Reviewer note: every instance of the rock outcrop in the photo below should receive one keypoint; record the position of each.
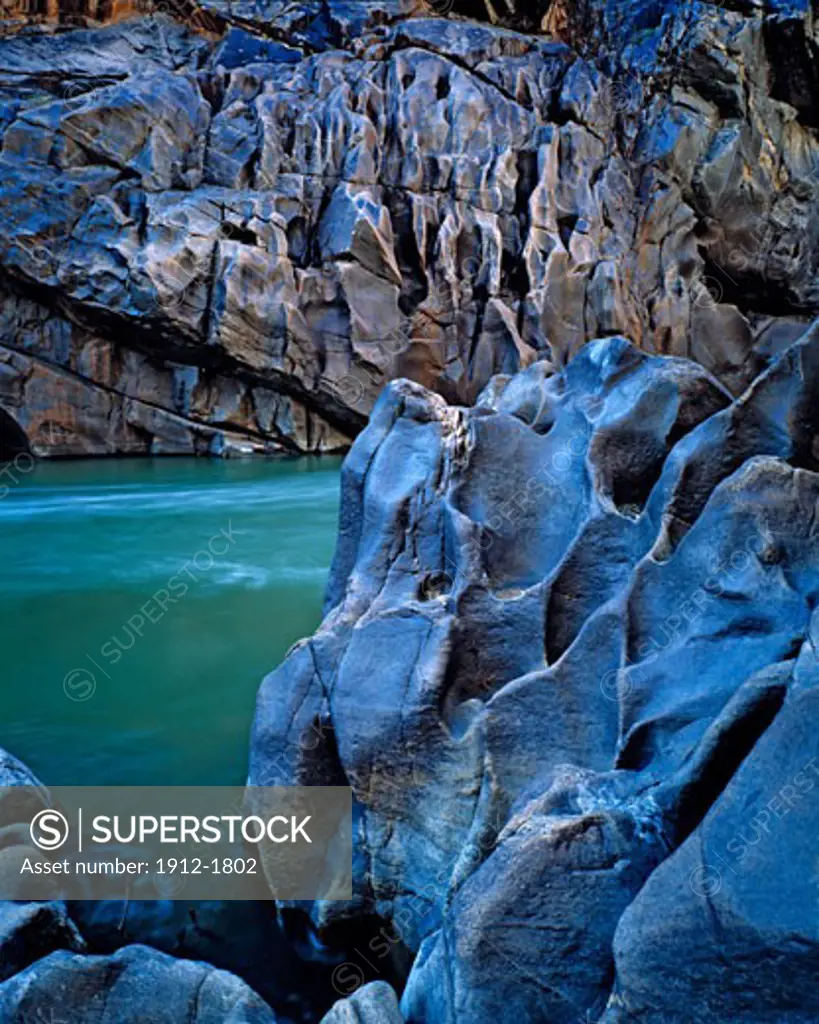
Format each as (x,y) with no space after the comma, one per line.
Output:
(224,227)
(135,985)
(568,658)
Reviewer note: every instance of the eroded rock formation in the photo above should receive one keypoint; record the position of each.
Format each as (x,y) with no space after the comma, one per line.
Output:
(557,624)
(226,226)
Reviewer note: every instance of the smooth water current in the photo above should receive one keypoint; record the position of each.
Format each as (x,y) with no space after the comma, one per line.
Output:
(142,602)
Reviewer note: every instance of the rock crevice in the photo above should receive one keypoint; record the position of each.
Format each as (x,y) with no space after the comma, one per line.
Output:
(378,193)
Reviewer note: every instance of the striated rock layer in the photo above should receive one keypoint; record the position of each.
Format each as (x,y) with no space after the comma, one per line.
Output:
(224,227)
(567,667)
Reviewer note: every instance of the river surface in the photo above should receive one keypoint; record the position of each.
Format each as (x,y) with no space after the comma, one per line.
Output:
(141,603)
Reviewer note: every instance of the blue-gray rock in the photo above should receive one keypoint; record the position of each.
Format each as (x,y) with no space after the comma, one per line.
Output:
(567,658)
(243,938)
(134,985)
(30,931)
(375,1003)
(726,928)
(290,204)
(565,612)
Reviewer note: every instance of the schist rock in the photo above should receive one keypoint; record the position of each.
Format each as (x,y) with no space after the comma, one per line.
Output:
(569,633)
(226,226)
(134,985)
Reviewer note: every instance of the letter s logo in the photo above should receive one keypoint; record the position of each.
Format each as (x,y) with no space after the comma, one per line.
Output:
(48,829)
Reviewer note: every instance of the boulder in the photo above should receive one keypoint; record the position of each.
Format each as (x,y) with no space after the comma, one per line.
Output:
(375,1003)
(133,985)
(725,928)
(243,938)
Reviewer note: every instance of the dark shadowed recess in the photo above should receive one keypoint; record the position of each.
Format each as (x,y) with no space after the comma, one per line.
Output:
(13,440)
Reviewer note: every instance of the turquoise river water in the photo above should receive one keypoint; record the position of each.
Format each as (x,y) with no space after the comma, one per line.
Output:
(142,602)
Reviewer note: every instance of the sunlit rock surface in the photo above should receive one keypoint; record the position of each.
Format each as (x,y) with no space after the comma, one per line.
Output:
(224,227)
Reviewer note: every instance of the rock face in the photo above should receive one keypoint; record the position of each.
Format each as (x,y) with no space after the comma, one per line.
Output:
(568,669)
(137,984)
(225,227)
(740,891)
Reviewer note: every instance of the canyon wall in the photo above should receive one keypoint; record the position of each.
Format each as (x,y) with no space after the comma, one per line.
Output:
(226,226)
